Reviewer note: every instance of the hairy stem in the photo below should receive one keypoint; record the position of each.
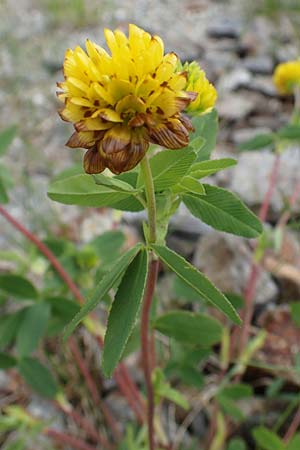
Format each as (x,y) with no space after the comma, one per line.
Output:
(148,350)
(147,357)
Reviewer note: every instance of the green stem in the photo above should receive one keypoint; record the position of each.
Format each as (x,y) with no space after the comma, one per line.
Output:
(150,197)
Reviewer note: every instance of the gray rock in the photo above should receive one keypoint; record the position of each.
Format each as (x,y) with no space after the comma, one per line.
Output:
(224,29)
(234,80)
(261,65)
(263,85)
(235,106)
(226,260)
(250,178)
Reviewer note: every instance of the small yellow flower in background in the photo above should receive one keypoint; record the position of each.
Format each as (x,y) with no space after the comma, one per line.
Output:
(197,82)
(119,103)
(287,76)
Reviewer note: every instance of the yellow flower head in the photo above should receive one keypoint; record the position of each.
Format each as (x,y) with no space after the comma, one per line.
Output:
(120,102)
(287,76)
(197,82)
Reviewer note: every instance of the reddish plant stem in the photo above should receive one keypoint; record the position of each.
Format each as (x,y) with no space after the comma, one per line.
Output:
(146,346)
(66,439)
(85,425)
(250,289)
(59,269)
(295,424)
(93,388)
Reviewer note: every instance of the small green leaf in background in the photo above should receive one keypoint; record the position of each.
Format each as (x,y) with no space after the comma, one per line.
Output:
(237,391)
(190,184)
(169,166)
(224,211)
(124,311)
(105,284)
(17,444)
(32,328)
(258,142)
(196,280)
(190,376)
(6,138)
(38,377)
(230,408)
(236,444)
(295,312)
(291,132)
(206,168)
(108,245)
(7,361)
(191,328)
(205,126)
(9,326)
(18,287)
(63,307)
(162,389)
(267,439)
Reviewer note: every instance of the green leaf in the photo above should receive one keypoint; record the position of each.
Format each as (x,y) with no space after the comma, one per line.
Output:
(224,211)
(267,440)
(82,190)
(205,126)
(237,391)
(162,389)
(196,280)
(9,326)
(189,184)
(258,142)
(169,166)
(124,311)
(18,287)
(108,245)
(32,328)
(291,132)
(63,307)
(229,407)
(190,376)
(6,138)
(294,443)
(105,284)
(38,377)
(191,328)
(236,444)
(113,183)
(7,361)
(295,312)
(206,168)
(3,194)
